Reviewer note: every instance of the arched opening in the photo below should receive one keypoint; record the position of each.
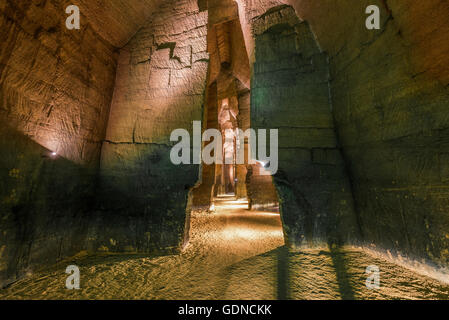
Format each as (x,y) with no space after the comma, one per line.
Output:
(230,184)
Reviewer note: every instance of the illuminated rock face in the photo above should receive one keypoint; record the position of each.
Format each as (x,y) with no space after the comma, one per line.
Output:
(56,84)
(389,100)
(160,87)
(55,92)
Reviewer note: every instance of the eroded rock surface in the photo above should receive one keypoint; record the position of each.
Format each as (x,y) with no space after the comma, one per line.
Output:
(55,91)
(233,254)
(368,105)
(290,92)
(390,97)
(160,87)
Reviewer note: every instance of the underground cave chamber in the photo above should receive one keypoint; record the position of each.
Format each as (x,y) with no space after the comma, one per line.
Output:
(363,154)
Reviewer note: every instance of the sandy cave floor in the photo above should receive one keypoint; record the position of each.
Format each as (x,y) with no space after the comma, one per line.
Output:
(233,254)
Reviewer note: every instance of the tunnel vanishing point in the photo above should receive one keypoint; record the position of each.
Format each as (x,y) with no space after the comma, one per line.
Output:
(87,115)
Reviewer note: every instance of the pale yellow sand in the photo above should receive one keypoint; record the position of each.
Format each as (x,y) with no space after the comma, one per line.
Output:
(232,254)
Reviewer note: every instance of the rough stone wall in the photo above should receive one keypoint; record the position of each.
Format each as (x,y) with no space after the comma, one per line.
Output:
(290,92)
(248,10)
(160,86)
(204,193)
(259,189)
(116,21)
(390,99)
(55,91)
(234,44)
(243,124)
(229,74)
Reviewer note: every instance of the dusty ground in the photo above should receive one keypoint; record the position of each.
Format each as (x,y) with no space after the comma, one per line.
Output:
(233,254)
